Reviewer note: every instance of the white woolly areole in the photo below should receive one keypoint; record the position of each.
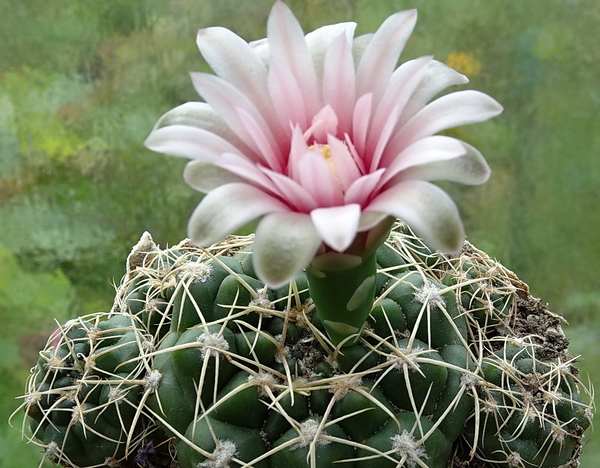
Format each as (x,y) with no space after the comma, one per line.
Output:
(309,432)
(408,359)
(223,453)
(212,341)
(343,385)
(152,380)
(53,452)
(116,395)
(263,380)
(469,381)
(261,301)
(429,294)
(514,460)
(197,272)
(405,445)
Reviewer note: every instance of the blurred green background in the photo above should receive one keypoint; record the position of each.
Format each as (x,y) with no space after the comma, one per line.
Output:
(82,82)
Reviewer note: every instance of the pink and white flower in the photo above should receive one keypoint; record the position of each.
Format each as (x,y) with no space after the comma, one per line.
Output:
(321,138)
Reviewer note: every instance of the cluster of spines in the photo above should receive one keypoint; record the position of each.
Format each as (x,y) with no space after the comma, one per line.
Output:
(83,397)
(275,347)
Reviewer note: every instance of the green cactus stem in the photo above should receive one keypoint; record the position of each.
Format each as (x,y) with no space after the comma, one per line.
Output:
(200,358)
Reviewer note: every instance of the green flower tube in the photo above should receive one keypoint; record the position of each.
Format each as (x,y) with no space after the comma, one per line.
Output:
(344,297)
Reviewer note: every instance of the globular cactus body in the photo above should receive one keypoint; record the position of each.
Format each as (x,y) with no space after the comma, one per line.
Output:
(237,374)
(85,392)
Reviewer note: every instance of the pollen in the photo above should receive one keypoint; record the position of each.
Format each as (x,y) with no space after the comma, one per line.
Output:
(325,151)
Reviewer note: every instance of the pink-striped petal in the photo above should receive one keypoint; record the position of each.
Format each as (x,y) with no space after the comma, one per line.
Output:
(227,101)
(337,225)
(343,162)
(245,169)
(295,194)
(423,152)
(298,148)
(381,54)
(360,122)
(284,245)
(288,47)
(321,40)
(362,189)
(227,208)
(324,123)
(402,84)
(234,60)
(316,176)
(270,153)
(427,209)
(339,82)
(189,142)
(449,111)
(286,91)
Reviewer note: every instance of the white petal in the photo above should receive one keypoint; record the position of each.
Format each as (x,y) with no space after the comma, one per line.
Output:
(402,84)
(194,114)
(427,209)
(227,208)
(284,245)
(205,177)
(470,168)
(424,151)
(370,219)
(359,45)
(188,142)
(246,169)
(438,77)
(234,60)
(320,42)
(337,225)
(381,54)
(449,111)
(261,48)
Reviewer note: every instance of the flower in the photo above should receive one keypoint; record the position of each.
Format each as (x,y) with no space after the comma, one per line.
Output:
(322,138)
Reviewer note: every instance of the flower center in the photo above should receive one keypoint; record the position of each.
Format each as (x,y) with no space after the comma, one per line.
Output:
(325,151)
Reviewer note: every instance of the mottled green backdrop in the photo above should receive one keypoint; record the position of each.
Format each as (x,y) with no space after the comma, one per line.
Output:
(83,81)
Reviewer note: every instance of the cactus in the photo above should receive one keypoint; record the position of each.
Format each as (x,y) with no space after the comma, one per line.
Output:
(447,370)
(85,395)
